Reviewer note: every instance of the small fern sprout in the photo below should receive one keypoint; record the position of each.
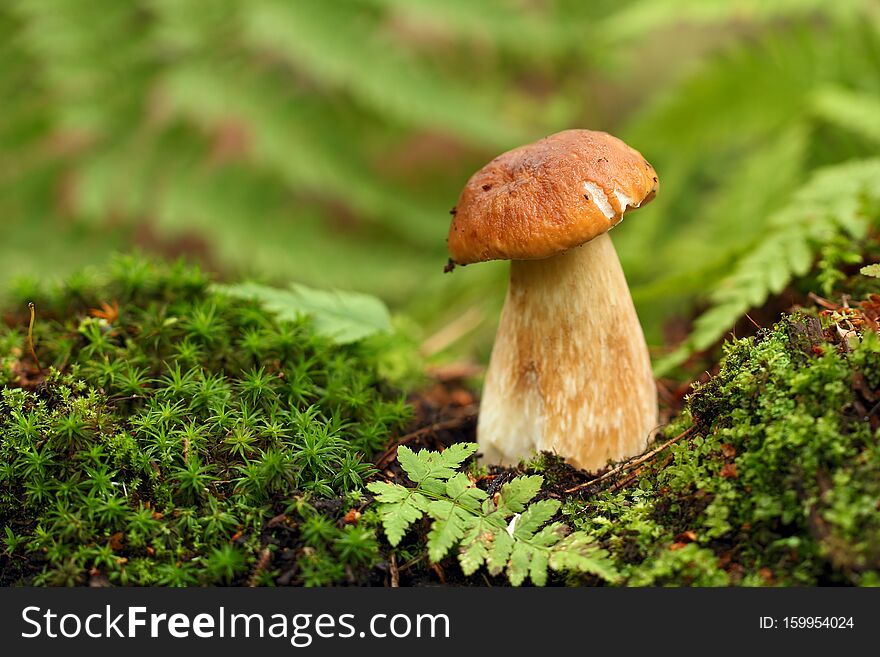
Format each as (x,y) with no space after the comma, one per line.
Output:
(570,370)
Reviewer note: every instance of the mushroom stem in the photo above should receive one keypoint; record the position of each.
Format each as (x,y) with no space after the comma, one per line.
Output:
(570,371)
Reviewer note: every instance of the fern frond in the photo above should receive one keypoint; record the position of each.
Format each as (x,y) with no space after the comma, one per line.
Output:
(284,139)
(342,317)
(700,129)
(532,30)
(840,199)
(731,142)
(645,16)
(854,111)
(72,41)
(512,536)
(351,53)
(724,222)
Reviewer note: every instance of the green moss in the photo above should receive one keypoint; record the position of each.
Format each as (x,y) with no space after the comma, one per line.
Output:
(778,481)
(170,425)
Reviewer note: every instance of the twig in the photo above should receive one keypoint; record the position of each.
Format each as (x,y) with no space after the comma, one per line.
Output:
(758,326)
(623,483)
(454,423)
(30,335)
(821,301)
(395,573)
(438,570)
(631,464)
(412,562)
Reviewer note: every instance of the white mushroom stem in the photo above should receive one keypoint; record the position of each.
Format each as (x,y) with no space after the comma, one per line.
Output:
(570,371)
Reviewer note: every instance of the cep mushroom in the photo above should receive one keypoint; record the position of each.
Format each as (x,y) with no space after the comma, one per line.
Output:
(570,371)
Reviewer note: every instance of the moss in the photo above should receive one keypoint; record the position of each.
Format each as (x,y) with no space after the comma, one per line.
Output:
(778,481)
(176,435)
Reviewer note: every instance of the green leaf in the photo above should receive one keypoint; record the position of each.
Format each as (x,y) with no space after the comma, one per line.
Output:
(425,465)
(518,567)
(398,516)
(448,528)
(327,44)
(579,552)
(831,202)
(457,485)
(516,494)
(538,567)
(462,490)
(502,544)
(871,270)
(642,17)
(453,456)
(344,317)
(414,465)
(550,535)
(473,556)
(854,111)
(388,493)
(514,537)
(534,517)
(475,545)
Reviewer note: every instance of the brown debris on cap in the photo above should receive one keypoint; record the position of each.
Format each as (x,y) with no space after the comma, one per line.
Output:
(542,199)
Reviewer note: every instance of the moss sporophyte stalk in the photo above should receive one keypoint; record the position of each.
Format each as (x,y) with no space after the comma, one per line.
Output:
(174,434)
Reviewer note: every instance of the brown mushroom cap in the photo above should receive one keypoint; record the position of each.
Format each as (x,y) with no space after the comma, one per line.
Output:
(542,199)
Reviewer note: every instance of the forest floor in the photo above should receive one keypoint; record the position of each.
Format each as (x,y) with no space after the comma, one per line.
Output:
(183,437)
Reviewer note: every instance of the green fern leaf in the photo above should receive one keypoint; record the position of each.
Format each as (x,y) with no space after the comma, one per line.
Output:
(516,494)
(416,466)
(518,565)
(550,535)
(475,545)
(388,493)
(534,517)
(526,29)
(400,508)
(499,552)
(854,111)
(464,516)
(335,47)
(461,489)
(577,552)
(538,567)
(436,465)
(280,122)
(448,528)
(455,455)
(643,16)
(871,270)
(732,141)
(344,317)
(834,201)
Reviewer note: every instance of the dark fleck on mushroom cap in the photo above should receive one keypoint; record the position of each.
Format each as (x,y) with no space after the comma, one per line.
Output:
(542,199)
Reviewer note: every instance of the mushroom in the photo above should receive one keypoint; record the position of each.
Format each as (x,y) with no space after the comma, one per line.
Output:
(570,371)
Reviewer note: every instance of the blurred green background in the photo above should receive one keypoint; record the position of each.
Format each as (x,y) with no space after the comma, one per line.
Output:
(325,141)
